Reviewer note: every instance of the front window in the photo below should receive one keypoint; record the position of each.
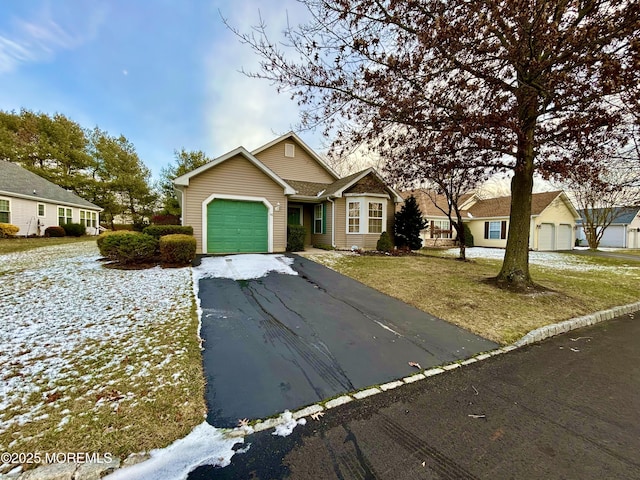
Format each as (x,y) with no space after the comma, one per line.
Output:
(354,217)
(440,229)
(494,230)
(375,217)
(317,219)
(41,210)
(64,215)
(5,211)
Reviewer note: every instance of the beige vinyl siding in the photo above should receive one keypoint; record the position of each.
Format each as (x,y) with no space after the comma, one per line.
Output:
(236,176)
(301,167)
(556,213)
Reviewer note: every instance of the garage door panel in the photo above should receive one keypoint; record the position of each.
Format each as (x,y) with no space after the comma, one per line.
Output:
(546,237)
(565,237)
(237,226)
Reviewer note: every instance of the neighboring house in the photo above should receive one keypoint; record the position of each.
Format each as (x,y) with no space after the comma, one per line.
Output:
(622,232)
(552,225)
(243,201)
(32,203)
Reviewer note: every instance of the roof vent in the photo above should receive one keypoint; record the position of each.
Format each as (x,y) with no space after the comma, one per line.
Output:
(289,150)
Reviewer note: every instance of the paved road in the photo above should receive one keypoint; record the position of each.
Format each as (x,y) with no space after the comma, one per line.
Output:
(282,341)
(561,409)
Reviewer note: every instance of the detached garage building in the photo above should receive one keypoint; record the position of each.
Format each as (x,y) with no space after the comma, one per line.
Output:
(622,232)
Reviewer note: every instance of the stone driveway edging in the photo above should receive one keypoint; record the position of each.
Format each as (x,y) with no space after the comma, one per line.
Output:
(73,472)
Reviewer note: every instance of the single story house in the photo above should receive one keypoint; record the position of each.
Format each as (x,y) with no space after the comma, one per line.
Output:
(243,201)
(552,225)
(622,232)
(32,203)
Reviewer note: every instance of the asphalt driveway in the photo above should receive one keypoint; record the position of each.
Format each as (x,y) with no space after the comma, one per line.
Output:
(283,341)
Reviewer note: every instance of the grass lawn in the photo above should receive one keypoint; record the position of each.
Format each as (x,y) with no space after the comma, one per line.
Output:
(21,244)
(94,359)
(628,251)
(457,292)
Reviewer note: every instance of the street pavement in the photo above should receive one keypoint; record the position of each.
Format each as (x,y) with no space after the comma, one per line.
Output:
(566,408)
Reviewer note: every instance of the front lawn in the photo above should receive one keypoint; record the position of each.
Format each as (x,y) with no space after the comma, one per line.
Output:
(22,244)
(94,359)
(458,292)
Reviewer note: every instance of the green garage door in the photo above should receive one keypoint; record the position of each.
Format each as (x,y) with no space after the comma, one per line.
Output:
(237,226)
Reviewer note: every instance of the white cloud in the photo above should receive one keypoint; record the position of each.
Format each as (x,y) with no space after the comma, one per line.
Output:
(38,39)
(242,110)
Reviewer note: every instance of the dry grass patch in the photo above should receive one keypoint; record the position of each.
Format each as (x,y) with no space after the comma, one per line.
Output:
(459,292)
(22,244)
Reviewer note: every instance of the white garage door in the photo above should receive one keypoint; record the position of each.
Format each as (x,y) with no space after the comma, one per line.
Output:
(564,237)
(613,236)
(546,237)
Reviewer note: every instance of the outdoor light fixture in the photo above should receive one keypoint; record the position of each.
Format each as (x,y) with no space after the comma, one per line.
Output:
(277,209)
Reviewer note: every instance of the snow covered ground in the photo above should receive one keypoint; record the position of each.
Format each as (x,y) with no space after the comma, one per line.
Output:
(555,260)
(71,330)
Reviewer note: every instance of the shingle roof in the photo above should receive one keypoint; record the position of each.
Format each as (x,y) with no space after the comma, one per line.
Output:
(19,181)
(427,207)
(621,215)
(501,206)
(307,189)
(343,182)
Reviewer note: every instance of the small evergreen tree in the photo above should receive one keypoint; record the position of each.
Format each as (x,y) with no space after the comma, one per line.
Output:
(408,223)
(384,243)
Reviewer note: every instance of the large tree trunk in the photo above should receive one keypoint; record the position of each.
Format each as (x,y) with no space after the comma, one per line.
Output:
(515,267)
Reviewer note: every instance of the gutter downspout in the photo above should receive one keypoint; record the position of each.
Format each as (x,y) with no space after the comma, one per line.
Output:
(333,222)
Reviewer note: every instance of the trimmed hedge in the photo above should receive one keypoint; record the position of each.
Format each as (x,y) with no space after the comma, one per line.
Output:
(8,230)
(384,243)
(131,247)
(158,231)
(177,249)
(54,231)
(295,238)
(104,250)
(73,229)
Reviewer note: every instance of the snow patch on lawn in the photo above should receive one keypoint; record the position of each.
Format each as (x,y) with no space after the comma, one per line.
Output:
(243,267)
(554,260)
(71,330)
(205,445)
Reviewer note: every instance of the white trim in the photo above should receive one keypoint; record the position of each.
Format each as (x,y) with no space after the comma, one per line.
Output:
(58,207)
(333,223)
(377,195)
(364,201)
(360,176)
(7,211)
(322,219)
(360,223)
(183,180)
(215,196)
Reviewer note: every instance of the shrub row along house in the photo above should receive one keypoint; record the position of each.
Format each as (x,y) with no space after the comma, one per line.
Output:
(243,201)
(552,225)
(32,203)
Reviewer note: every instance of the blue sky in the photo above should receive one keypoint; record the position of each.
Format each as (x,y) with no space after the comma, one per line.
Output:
(163,73)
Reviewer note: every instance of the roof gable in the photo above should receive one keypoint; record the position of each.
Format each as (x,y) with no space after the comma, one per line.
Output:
(296,140)
(501,206)
(183,180)
(340,187)
(430,209)
(17,181)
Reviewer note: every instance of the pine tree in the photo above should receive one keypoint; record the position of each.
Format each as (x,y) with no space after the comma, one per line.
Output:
(408,223)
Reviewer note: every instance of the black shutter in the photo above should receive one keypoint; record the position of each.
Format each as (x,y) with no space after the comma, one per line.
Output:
(503,230)
(486,230)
